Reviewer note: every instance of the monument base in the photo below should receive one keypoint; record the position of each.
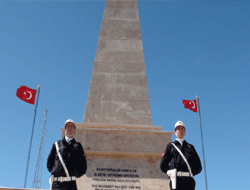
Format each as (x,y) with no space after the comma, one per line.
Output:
(122,157)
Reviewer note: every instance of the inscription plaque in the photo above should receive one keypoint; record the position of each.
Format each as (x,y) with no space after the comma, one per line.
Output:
(116,179)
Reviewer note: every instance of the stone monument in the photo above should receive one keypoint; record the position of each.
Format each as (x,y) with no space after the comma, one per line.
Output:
(122,146)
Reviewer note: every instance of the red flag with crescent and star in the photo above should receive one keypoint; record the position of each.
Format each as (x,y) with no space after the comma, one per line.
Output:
(26,94)
(190,104)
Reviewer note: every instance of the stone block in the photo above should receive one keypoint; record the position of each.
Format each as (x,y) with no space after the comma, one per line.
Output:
(117,79)
(119,67)
(121,4)
(119,56)
(119,45)
(121,14)
(118,112)
(118,92)
(120,29)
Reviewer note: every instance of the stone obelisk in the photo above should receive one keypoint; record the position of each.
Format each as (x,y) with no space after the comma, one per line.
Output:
(122,146)
(118,92)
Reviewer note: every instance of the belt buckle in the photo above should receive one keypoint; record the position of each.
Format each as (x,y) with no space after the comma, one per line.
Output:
(180,173)
(60,179)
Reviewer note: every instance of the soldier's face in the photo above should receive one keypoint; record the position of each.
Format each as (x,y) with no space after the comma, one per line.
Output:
(180,131)
(69,130)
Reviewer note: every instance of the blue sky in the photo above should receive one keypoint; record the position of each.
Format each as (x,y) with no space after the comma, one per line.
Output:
(190,47)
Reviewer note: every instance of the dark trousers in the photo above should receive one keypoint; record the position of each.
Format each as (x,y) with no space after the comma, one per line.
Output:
(184,183)
(69,185)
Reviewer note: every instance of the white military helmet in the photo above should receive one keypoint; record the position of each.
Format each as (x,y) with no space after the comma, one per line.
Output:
(70,121)
(178,123)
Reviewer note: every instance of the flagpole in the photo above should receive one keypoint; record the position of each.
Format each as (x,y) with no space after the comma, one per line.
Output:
(34,119)
(199,113)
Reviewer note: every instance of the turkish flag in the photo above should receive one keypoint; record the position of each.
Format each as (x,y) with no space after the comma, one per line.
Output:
(190,104)
(26,94)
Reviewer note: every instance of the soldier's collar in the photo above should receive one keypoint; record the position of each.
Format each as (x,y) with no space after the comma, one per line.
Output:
(180,140)
(68,139)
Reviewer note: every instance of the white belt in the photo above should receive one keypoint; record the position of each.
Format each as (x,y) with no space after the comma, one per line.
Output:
(62,179)
(181,174)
